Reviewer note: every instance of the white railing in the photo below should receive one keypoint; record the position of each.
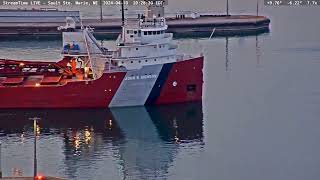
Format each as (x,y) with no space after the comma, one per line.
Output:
(152,24)
(145,23)
(182,57)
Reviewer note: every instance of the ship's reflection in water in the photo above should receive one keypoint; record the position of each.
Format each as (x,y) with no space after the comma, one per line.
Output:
(117,143)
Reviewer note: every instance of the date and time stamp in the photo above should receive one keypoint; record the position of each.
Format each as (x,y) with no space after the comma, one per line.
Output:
(82,2)
(136,2)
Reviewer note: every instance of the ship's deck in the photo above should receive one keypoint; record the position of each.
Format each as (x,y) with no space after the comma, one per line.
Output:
(34,74)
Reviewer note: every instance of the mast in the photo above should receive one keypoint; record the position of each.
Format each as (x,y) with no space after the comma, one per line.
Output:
(257,7)
(227,7)
(154,10)
(122,11)
(101,13)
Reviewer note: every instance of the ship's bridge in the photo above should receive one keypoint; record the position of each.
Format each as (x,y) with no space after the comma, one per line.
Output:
(144,42)
(144,30)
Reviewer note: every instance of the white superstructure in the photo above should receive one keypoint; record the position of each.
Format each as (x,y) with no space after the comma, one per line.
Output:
(144,41)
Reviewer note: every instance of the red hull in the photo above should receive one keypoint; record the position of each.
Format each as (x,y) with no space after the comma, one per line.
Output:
(183,74)
(72,95)
(99,93)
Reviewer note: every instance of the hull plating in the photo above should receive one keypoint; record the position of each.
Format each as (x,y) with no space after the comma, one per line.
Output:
(157,84)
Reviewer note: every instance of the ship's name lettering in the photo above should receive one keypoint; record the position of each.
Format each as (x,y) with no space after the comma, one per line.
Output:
(142,77)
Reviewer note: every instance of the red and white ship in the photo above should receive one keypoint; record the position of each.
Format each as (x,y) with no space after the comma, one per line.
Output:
(145,69)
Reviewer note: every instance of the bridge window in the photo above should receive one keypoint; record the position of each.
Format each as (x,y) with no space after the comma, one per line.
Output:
(149,32)
(145,33)
(154,32)
(158,32)
(135,32)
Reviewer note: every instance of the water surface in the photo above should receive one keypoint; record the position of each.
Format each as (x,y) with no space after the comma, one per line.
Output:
(259,118)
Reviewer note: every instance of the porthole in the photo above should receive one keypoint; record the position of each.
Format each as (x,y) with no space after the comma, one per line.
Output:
(174,84)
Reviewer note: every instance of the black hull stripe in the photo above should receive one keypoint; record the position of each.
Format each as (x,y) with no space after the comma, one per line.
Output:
(156,90)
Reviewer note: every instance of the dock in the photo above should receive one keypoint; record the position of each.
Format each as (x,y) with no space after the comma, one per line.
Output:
(224,25)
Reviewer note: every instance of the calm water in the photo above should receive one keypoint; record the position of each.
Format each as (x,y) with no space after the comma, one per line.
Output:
(259,118)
